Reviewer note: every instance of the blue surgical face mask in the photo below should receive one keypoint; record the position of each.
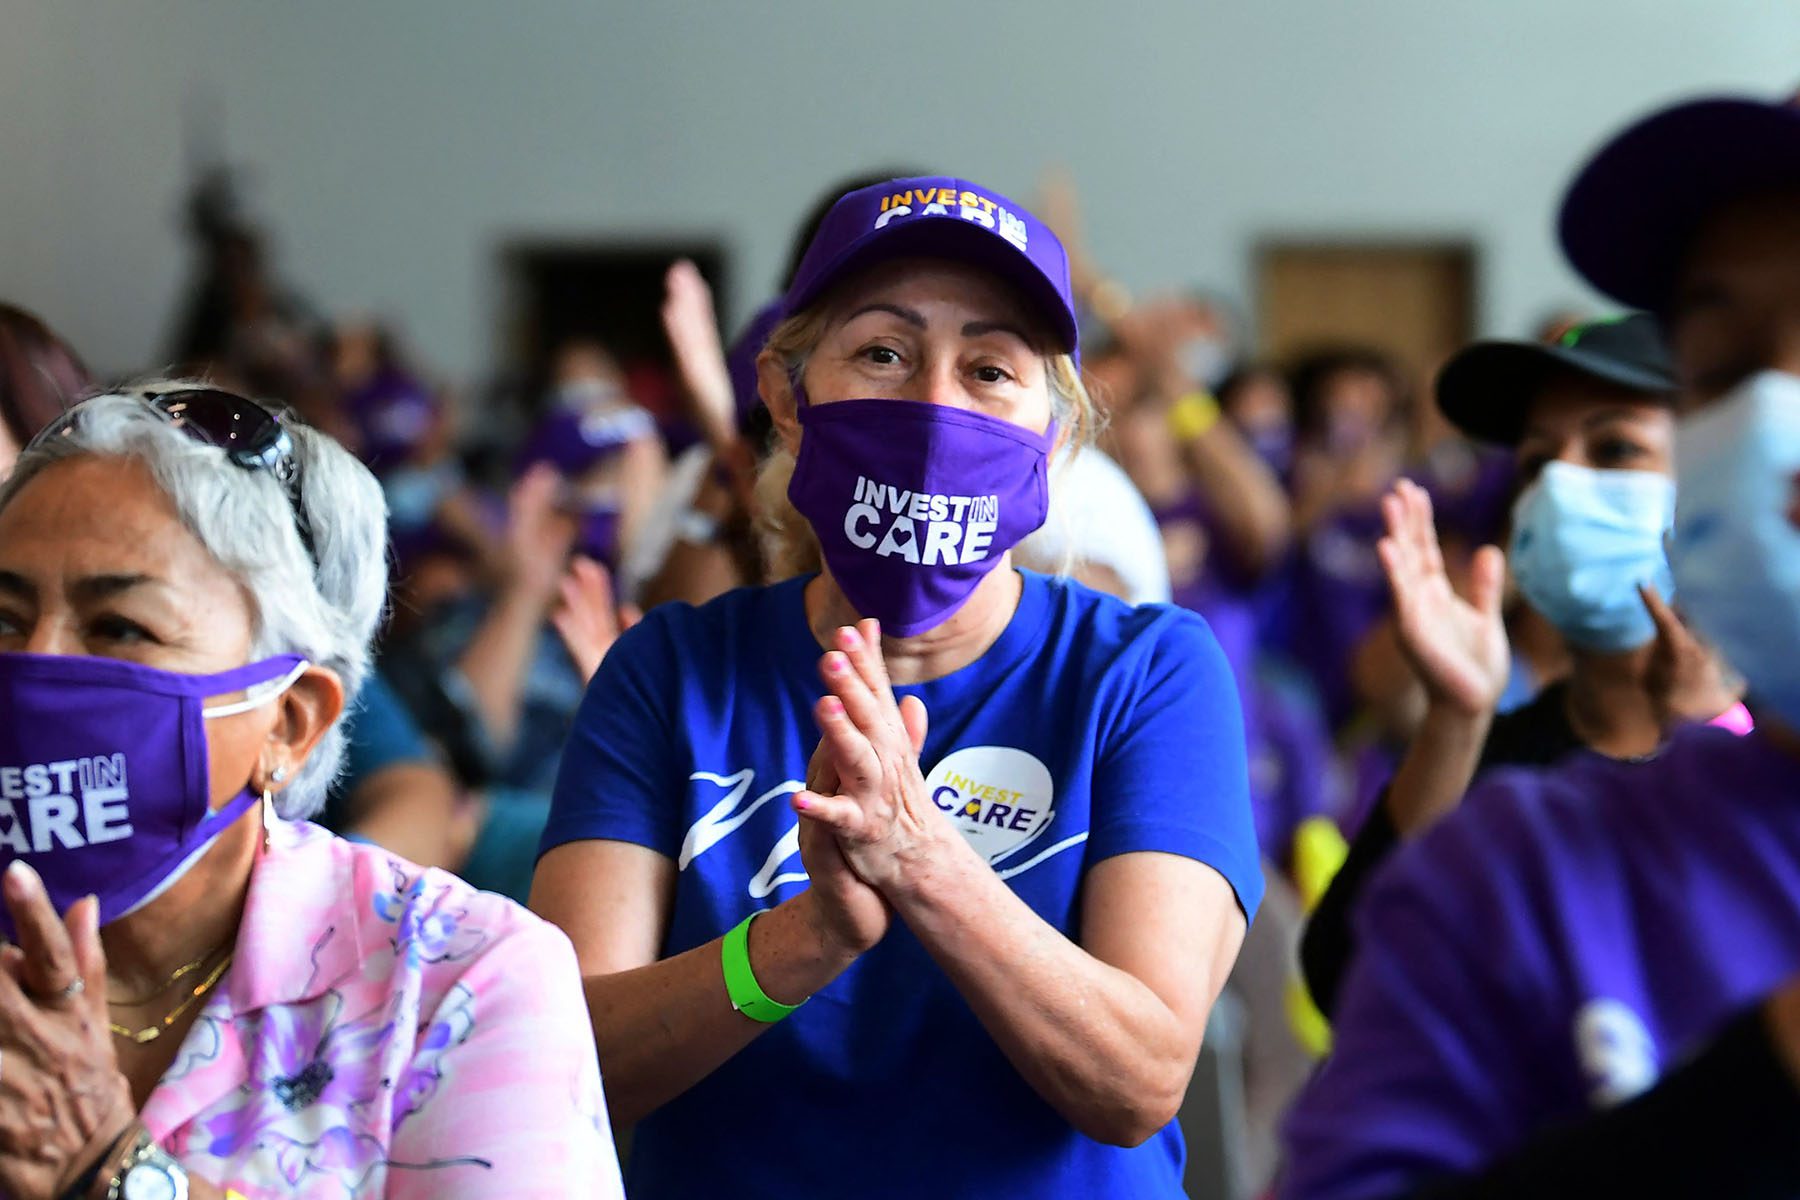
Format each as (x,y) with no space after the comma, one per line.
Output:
(414,494)
(1583,540)
(1206,361)
(1735,549)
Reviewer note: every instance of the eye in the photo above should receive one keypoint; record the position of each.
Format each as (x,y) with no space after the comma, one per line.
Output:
(111,627)
(1616,451)
(881,356)
(990,373)
(11,625)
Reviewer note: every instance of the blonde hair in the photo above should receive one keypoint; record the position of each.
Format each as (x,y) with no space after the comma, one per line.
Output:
(788,544)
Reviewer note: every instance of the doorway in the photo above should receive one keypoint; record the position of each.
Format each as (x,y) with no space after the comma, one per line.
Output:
(1411,300)
(611,292)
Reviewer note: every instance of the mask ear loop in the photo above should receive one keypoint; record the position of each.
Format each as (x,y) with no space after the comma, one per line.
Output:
(243,706)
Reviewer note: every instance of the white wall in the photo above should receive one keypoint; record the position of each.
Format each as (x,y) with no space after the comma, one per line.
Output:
(395,142)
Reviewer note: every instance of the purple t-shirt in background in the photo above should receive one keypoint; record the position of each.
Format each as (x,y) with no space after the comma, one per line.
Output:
(1553,947)
(1472,489)
(1202,579)
(1340,594)
(1291,778)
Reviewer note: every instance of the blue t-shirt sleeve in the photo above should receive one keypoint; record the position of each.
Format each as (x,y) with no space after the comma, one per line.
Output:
(380,733)
(1172,774)
(620,779)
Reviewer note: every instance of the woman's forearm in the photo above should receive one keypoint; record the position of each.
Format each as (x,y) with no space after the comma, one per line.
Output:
(643,474)
(1243,494)
(1439,764)
(1094,1041)
(497,657)
(411,809)
(664,1027)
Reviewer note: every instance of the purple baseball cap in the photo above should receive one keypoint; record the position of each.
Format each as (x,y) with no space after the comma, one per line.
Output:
(1630,214)
(939,217)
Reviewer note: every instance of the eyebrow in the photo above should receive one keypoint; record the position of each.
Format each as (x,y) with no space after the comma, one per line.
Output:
(1700,296)
(1616,412)
(91,589)
(910,316)
(917,319)
(980,328)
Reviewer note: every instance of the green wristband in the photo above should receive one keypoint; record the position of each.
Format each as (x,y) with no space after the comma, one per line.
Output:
(746,994)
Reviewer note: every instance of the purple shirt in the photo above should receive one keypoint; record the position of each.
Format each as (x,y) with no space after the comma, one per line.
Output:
(1341,592)
(1472,489)
(1552,948)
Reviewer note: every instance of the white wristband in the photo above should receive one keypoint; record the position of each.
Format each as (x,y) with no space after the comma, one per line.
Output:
(696,527)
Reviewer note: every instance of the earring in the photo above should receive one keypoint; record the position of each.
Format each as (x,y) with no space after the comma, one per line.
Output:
(268,816)
(278,774)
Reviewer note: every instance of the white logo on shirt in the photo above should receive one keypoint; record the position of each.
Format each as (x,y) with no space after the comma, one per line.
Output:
(999,797)
(1618,1056)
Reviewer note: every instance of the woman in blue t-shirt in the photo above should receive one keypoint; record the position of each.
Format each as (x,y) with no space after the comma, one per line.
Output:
(997,823)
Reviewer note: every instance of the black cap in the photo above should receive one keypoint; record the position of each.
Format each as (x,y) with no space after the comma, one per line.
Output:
(1632,211)
(1487,389)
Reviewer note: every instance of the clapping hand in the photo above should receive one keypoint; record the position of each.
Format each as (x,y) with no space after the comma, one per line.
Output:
(1457,645)
(1686,677)
(538,533)
(586,616)
(63,1100)
(872,797)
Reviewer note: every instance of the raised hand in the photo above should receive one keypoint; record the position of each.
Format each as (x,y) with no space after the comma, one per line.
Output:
(879,812)
(63,1100)
(693,331)
(1458,646)
(1688,681)
(538,534)
(586,616)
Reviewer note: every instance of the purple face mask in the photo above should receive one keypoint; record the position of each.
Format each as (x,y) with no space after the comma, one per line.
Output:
(913,502)
(104,778)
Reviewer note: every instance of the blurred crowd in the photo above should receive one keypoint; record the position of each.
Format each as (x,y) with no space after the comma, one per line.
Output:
(531,521)
(1415,578)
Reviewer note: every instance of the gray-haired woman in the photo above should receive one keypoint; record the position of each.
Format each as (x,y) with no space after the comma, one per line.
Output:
(209,996)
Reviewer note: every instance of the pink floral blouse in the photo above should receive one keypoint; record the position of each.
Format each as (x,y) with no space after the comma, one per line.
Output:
(387,1030)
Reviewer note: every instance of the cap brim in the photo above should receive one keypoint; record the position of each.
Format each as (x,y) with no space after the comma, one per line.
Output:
(1486,390)
(1629,216)
(953,238)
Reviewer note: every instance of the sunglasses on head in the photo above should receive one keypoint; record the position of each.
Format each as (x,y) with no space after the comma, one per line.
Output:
(251,436)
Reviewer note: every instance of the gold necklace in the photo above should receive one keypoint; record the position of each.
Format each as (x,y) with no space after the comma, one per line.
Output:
(151,1032)
(165,985)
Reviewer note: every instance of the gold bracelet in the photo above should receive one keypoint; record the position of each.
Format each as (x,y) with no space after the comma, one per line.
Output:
(1193,415)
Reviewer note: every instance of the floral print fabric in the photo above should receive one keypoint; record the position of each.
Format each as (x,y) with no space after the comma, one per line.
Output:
(388,1031)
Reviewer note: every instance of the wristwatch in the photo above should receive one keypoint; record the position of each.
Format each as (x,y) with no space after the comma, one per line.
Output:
(148,1172)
